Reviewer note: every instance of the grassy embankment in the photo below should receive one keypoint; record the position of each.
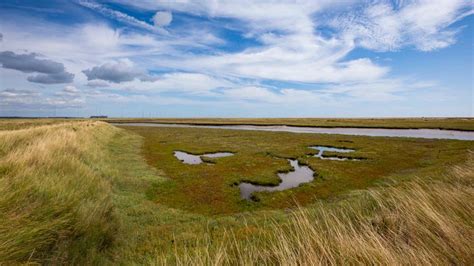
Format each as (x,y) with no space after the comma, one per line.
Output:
(56,198)
(433,123)
(80,193)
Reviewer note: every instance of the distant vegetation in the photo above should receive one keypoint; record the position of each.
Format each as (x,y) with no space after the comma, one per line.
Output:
(82,193)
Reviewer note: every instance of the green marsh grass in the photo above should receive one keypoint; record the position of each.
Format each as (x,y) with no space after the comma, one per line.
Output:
(259,156)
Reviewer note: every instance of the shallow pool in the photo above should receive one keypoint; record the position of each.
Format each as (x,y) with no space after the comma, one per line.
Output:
(323,149)
(299,175)
(189,158)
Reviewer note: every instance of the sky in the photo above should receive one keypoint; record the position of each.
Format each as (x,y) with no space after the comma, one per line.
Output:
(210,58)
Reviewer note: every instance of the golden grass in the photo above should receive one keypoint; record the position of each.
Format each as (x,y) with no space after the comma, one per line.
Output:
(24,123)
(55,199)
(416,223)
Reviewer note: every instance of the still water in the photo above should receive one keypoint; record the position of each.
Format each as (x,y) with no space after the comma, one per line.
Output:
(189,158)
(299,175)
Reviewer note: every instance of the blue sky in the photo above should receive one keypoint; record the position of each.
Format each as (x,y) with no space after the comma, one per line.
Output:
(214,58)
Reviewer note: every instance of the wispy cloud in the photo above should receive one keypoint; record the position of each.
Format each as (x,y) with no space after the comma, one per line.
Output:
(34,100)
(387,25)
(122,17)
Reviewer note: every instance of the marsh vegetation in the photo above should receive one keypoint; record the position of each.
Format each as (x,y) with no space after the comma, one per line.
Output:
(260,156)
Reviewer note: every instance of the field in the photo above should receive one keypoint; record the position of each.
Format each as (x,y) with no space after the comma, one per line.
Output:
(86,192)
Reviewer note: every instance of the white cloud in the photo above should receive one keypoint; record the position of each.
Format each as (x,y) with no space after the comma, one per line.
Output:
(314,61)
(162,18)
(117,71)
(266,95)
(252,93)
(382,90)
(379,90)
(14,96)
(84,46)
(291,50)
(391,26)
(34,100)
(71,89)
(192,83)
(98,83)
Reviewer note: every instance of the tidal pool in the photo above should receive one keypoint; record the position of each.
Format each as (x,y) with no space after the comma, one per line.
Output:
(217,154)
(188,158)
(300,174)
(323,149)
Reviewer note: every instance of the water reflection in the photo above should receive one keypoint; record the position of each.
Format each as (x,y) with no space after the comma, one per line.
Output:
(188,158)
(323,149)
(299,175)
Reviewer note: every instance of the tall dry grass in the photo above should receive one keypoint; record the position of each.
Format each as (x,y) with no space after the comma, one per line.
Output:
(55,203)
(422,222)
